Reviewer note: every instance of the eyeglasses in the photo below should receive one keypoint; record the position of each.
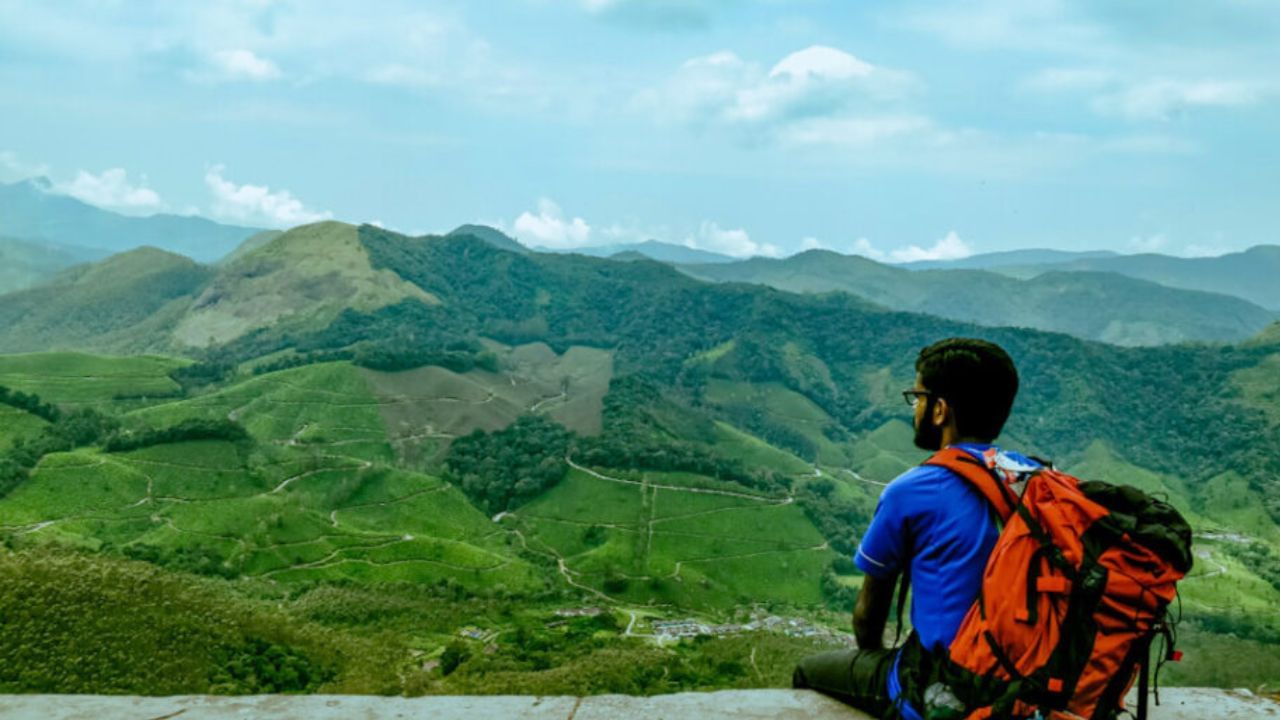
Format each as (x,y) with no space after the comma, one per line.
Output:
(913,396)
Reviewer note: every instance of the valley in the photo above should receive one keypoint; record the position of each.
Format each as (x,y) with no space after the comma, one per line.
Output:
(513,435)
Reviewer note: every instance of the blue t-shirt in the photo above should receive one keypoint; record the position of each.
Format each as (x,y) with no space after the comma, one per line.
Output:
(933,524)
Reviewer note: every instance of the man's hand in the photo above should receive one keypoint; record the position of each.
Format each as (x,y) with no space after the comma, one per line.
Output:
(872,611)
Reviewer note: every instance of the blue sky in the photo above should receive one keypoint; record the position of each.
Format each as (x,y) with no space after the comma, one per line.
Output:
(898,130)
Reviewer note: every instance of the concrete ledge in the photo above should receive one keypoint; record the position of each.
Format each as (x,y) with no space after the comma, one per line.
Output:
(1176,704)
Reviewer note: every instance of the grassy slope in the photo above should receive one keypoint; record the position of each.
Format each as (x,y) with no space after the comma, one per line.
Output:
(312,501)
(288,519)
(756,453)
(325,408)
(302,278)
(17,425)
(126,303)
(74,624)
(662,540)
(783,407)
(76,379)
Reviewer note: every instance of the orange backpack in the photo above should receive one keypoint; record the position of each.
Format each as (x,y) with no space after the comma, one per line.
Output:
(1074,591)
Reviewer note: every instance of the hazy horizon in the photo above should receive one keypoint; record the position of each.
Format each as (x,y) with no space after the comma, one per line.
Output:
(904,131)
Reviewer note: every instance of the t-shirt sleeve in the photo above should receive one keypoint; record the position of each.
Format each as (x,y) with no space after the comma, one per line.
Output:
(886,541)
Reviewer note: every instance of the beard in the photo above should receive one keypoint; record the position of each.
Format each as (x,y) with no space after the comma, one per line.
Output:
(928,436)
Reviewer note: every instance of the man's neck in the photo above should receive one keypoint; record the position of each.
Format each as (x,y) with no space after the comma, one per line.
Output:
(950,436)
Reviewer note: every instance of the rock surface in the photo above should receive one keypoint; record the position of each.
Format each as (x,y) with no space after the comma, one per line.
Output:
(1176,704)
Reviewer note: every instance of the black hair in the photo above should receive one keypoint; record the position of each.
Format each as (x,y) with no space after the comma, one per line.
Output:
(976,378)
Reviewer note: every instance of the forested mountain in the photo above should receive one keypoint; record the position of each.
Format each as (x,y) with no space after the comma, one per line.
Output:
(33,210)
(1091,305)
(825,347)
(1250,274)
(402,301)
(438,443)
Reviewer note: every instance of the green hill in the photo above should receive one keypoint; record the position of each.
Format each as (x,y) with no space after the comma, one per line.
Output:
(76,624)
(75,380)
(251,243)
(302,278)
(1089,305)
(493,236)
(124,303)
(26,263)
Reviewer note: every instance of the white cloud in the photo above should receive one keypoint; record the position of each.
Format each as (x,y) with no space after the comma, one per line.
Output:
(817,82)
(257,203)
(950,247)
(1148,243)
(243,64)
(1160,99)
(113,190)
(863,247)
(735,242)
(820,61)
(549,228)
(859,246)
(393,42)
(13,168)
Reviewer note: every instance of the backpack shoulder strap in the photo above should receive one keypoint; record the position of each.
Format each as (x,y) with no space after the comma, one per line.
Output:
(1001,498)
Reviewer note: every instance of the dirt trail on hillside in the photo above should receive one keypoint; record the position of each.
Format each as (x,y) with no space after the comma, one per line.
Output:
(364,465)
(854,474)
(333,515)
(679,488)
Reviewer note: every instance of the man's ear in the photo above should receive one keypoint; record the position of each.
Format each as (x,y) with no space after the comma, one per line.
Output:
(941,411)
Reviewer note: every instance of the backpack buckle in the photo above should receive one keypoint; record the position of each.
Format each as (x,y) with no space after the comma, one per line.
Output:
(1053,584)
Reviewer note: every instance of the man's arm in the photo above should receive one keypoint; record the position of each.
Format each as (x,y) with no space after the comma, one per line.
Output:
(872,610)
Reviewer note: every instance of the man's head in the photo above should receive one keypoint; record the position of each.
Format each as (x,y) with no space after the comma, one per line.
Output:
(965,389)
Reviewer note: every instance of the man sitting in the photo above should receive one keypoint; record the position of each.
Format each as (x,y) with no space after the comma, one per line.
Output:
(930,524)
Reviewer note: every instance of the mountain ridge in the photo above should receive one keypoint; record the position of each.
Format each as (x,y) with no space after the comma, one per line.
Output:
(1249,274)
(32,209)
(1099,306)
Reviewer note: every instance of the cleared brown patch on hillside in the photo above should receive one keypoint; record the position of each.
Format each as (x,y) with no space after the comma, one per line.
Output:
(425,408)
